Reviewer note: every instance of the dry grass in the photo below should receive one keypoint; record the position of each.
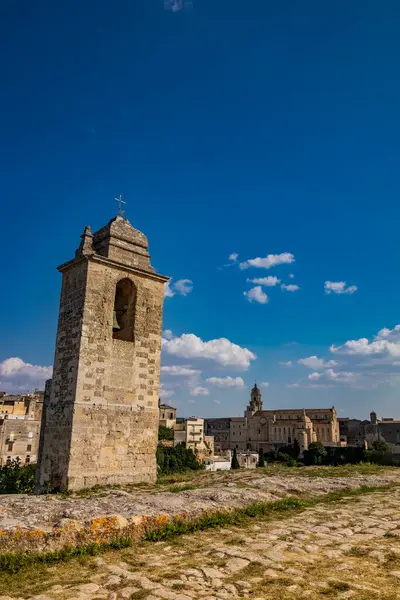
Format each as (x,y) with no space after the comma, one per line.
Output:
(193,551)
(242,477)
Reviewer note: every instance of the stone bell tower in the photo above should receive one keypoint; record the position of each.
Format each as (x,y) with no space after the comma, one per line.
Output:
(255,404)
(100,417)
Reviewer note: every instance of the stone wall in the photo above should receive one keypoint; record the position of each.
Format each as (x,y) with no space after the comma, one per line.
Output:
(101,421)
(19,440)
(220,430)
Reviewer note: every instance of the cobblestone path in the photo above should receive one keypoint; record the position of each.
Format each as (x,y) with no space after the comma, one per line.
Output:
(350,549)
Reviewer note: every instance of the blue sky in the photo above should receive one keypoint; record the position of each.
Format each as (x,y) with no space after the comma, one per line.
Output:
(256,128)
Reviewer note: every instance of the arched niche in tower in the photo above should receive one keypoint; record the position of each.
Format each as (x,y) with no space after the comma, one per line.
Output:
(124,310)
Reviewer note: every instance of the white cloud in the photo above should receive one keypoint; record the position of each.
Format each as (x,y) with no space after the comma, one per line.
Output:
(290,288)
(183,287)
(291,275)
(339,287)
(363,347)
(287,363)
(11,367)
(165,393)
(226,381)
(389,334)
(168,292)
(364,364)
(333,376)
(18,375)
(257,294)
(314,376)
(199,391)
(264,384)
(180,370)
(269,281)
(272,260)
(219,350)
(233,256)
(315,363)
(168,334)
(217,402)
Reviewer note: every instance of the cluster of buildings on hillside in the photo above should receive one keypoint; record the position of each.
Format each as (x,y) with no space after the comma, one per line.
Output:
(20,420)
(268,430)
(213,440)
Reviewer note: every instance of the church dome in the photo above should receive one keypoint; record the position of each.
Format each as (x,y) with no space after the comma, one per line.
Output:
(255,389)
(303,420)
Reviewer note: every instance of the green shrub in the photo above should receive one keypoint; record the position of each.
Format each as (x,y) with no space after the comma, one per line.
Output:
(284,457)
(176,460)
(17,479)
(165,433)
(235,462)
(380,446)
(261,461)
(316,454)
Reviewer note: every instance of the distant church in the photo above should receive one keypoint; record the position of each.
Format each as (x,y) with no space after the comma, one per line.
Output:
(272,429)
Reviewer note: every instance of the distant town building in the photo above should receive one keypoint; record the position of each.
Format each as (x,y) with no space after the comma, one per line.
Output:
(247,460)
(20,419)
(217,463)
(167,415)
(356,432)
(271,429)
(191,433)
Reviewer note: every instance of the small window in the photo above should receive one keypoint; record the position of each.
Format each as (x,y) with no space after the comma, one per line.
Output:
(10,447)
(27,460)
(8,461)
(29,448)
(171,415)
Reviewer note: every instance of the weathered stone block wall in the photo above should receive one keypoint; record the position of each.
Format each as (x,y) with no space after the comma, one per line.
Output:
(55,439)
(100,423)
(116,416)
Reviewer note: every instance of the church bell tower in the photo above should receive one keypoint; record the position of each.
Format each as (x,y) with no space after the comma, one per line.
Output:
(255,404)
(100,417)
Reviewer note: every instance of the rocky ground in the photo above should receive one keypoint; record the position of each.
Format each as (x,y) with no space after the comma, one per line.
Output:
(203,491)
(348,549)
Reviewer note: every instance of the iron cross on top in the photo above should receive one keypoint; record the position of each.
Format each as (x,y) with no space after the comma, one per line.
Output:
(120,201)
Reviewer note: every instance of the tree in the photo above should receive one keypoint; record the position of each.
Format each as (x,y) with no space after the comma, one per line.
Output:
(16,478)
(261,461)
(296,449)
(176,460)
(235,462)
(316,454)
(380,446)
(165,433)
